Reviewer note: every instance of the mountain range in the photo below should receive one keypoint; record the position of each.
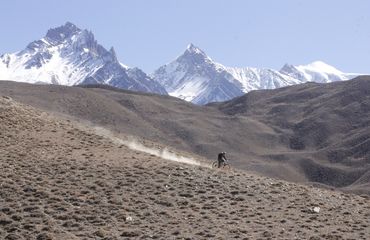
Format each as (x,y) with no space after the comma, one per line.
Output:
(195,77)
(70,56)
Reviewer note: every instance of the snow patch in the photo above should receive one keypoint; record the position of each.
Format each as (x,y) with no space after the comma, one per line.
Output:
(320,66)
(188,90)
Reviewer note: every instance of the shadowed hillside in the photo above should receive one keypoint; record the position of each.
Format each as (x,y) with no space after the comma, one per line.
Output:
(310,132)
(326,126)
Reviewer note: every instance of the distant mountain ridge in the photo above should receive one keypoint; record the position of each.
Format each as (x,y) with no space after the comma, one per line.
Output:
(195,77)
(70,56)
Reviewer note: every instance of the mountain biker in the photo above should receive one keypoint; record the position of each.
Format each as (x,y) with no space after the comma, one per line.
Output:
(221,159)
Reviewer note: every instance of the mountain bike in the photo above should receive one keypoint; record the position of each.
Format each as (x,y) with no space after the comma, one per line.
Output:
(224,165)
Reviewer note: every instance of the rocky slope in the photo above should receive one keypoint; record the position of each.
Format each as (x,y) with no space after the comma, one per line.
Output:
(63,180)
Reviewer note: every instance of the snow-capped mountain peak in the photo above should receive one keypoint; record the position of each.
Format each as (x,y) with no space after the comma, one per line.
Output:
(194,56)
(191,48)
(316,66)
(195,77)
(321,67)
(316,71)
(68,55)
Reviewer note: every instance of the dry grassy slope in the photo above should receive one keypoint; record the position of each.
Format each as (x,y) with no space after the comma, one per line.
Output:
(201,130)
(309,132)
(61,181)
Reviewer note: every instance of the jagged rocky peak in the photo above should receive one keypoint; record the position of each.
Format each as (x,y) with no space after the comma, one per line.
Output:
(85,40)
(194,51)
(113,54)
(191,48)
(287,68)
(193,55)
(108,56)
(61,33)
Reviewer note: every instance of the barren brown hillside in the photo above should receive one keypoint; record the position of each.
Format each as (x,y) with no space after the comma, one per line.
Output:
(304,133)
(62,180)
(326,126)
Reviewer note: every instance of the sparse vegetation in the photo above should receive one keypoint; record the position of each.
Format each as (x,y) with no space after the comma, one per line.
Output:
(64,184)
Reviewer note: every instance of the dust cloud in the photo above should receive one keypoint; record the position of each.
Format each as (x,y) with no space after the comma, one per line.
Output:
(133,144)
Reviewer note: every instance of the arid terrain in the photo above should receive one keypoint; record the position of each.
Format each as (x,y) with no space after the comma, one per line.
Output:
(311,133)
(62,179)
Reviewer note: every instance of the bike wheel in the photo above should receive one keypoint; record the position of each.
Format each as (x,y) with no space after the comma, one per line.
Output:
(215,164)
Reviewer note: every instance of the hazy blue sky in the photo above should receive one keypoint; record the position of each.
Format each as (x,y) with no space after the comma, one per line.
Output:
(259,33)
